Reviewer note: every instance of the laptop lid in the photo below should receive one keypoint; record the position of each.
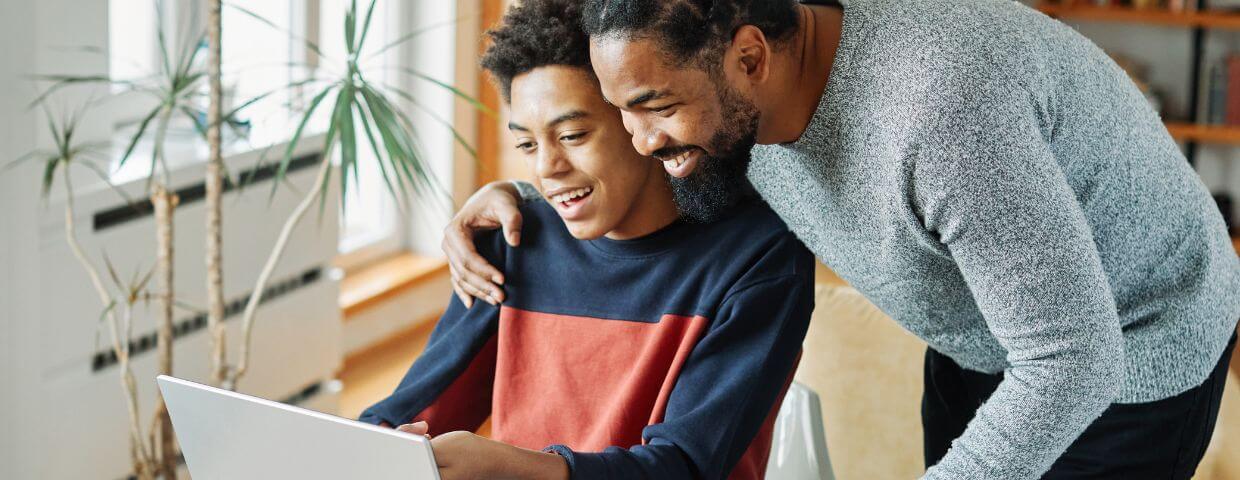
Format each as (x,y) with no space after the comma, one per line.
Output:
(228,435)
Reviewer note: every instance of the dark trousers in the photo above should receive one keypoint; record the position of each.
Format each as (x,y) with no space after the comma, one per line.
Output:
(1156,440)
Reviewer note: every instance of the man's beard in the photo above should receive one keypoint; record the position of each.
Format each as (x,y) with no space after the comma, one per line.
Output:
(718,183)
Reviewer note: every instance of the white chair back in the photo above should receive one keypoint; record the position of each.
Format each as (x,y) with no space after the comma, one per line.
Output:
(799,444)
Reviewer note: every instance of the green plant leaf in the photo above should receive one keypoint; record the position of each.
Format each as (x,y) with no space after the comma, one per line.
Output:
(111,268)
(190,53)
(435,116)
(199,126)
(102,316)
(411,35)
(314,47)
(107,179)
(49,175)
(260,97)
(381,163)
(460,94)
(301,126)
(165,64)
(348,145)
(157,154)
(350,23)
(401,153)
(141,285)
(19,160)
(137,136)
(62,81)
(361,42)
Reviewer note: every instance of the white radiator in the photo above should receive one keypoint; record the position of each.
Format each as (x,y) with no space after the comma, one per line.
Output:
(296,344)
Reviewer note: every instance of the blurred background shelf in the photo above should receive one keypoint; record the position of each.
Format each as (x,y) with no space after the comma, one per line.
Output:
(1152,16)
(1202,133)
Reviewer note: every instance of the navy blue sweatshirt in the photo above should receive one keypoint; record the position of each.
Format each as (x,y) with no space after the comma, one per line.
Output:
(659,357)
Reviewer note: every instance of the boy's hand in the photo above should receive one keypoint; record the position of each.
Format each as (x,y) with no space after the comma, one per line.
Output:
(465,456)
(416,428)
(493,206)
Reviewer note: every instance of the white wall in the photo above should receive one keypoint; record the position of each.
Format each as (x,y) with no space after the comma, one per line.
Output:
(19,277)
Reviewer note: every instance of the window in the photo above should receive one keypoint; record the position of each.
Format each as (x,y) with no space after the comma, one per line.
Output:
(259,59)
(370,225)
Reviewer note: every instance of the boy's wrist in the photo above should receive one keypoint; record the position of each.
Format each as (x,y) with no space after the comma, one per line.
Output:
(534,465)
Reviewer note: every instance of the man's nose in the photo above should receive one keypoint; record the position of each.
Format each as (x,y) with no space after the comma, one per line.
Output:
(646,138)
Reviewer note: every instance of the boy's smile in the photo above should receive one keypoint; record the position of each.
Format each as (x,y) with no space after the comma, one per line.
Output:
(582,159)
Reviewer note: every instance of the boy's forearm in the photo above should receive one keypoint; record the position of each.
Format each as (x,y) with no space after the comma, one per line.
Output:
(526,464)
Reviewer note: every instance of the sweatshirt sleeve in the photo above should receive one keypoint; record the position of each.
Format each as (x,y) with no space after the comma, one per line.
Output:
(449,386)
(728,388)
(529,193)
(990,188)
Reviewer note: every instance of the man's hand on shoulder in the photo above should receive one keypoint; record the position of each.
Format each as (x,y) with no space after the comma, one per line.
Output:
(495,205)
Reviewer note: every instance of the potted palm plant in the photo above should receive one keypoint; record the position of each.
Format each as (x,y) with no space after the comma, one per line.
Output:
(362,115)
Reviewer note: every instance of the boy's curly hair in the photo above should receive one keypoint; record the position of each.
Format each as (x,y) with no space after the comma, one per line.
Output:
(536,33)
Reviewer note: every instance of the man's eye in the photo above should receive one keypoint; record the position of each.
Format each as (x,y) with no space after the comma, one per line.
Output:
(664,109)
(525,145)
(571,137)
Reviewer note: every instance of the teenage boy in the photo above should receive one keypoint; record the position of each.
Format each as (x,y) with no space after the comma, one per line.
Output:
(984,174)
(632,344)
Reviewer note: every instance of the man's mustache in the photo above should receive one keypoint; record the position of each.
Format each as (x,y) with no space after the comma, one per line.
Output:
(668,153)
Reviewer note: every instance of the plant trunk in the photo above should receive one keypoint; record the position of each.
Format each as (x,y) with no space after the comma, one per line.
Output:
(139,453)
(256,297)
(215,187)
(162,439)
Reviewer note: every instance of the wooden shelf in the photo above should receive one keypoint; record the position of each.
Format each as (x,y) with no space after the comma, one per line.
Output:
(1151,16)
(1192,132)
(386,278)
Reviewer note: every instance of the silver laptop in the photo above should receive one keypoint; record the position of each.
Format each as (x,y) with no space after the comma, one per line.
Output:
(227,435)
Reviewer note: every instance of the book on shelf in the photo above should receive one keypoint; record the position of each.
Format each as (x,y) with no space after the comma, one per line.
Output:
(1223,92)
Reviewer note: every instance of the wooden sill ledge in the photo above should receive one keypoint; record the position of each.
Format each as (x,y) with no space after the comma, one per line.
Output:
(387,278)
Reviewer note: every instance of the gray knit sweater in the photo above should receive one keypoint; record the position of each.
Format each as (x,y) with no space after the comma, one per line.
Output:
(996,184)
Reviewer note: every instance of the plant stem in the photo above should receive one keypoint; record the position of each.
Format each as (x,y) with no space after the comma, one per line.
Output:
(140,455)
(215,187)
(162,439)
(251,306)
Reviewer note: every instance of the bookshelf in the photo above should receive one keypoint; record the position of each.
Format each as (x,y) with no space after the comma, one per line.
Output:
(1198,20)
(1152,16)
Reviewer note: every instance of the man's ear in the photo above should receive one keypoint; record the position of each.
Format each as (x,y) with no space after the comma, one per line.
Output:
(750,54)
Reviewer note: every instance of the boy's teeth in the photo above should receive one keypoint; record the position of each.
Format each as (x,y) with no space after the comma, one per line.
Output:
(571,195)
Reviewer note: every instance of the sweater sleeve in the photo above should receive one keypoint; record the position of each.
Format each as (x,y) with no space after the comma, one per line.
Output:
(449,385)
(990,188)
(529,193)
(730,384)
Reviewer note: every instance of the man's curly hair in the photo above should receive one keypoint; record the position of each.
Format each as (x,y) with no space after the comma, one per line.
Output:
(536,33)
(693,31)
